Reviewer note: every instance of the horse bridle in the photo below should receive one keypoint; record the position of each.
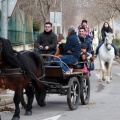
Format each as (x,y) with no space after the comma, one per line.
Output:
(106,44)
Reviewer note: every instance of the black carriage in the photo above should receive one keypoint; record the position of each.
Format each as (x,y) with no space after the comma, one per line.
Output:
(75,85)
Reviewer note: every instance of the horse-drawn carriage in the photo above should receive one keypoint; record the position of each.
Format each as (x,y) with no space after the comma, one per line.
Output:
(75,85)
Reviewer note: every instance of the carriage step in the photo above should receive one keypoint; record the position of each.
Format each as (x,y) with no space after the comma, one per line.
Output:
(49,83)
(65,87)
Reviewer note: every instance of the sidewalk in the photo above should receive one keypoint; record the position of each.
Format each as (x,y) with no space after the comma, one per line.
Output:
(6,97)
(117,60)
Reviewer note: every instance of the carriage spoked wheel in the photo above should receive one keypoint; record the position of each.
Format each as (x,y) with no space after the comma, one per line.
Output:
(85,89)
(73,93)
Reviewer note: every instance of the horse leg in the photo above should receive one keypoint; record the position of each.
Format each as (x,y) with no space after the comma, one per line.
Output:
(111,73)
(100,77)
(40,96)
(103,73)
(108,73)
(102,67)
(30,96)
(16,99)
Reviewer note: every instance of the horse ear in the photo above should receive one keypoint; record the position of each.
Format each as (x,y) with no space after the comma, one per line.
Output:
(106,33)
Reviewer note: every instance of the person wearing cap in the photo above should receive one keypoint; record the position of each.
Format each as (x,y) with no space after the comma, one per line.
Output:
(72,50)
(84,24)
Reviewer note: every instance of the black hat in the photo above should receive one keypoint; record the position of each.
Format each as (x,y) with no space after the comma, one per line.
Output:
(84,21)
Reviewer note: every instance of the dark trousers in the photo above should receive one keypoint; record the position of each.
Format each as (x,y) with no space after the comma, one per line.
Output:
(48,58)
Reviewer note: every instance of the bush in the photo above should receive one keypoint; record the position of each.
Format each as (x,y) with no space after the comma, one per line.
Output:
(36,26)
(117,42)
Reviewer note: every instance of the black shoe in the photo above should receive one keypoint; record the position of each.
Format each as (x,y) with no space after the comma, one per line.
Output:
(42,104)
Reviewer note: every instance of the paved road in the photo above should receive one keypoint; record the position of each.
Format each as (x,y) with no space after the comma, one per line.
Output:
(104,102)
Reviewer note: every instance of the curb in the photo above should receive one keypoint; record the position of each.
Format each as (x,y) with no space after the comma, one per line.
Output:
(6,98)
(6,101)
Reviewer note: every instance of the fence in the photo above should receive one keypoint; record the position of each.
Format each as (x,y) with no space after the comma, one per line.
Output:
(17,37)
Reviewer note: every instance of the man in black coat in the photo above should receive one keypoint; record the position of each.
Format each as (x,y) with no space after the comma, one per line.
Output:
(46,41)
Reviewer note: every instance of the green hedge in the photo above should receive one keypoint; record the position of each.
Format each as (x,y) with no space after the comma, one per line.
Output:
(117,42)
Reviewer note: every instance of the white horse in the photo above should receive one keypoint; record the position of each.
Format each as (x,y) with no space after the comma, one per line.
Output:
(106,56)
(95,40)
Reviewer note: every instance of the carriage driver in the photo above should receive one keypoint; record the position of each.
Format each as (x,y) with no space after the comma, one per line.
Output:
(46,42)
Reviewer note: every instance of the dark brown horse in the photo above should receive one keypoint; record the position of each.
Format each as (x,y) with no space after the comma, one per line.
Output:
(16,79)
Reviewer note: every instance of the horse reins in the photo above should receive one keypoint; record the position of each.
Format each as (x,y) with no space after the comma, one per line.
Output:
(107,45)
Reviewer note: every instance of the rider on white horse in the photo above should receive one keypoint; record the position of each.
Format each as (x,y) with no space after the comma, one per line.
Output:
(106,28)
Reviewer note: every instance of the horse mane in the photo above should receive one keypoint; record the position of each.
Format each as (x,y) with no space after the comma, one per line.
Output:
(20,60)
(8,52)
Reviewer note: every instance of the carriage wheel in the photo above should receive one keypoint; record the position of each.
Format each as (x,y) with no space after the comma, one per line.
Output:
(85,90)
(23,99)
(73,93)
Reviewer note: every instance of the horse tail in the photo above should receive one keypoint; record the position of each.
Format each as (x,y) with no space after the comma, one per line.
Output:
(106,65)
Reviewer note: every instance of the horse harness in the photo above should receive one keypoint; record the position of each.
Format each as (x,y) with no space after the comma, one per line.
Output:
(106,44)
(14,71)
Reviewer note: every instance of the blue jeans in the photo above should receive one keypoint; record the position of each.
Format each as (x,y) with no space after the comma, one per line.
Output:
(68,59)
(48,58)
(79,66)
(114,46)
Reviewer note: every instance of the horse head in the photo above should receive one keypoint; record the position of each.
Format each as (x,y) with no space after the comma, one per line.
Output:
(95,33)
(108,40)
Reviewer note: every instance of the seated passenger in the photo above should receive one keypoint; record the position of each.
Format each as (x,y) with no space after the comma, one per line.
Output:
(84,39)
(84,24)
(60,46)
(84,56)
(72,50)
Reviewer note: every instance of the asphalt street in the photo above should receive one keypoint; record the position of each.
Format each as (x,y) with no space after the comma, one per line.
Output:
(104,102)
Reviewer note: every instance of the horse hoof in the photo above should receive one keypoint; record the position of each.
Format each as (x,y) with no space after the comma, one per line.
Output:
(108,82)
(42,104)
(103,79)
(15,118)
(28,113)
